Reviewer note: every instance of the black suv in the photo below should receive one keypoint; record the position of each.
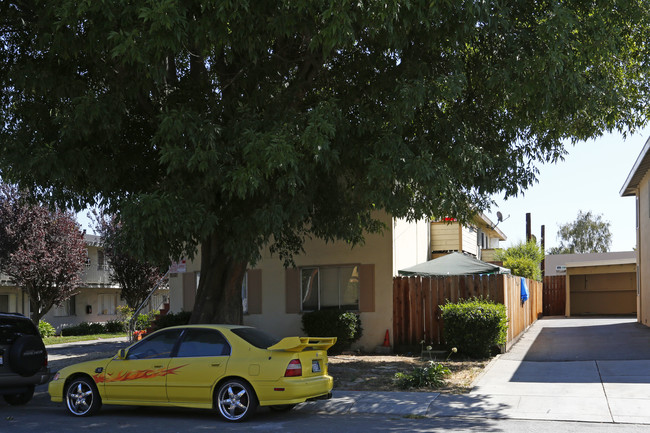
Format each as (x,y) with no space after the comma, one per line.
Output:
(23,358)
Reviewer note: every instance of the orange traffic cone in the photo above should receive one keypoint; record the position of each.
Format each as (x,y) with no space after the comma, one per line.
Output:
(387,340)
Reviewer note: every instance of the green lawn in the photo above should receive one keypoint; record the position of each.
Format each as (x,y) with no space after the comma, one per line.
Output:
(72,338)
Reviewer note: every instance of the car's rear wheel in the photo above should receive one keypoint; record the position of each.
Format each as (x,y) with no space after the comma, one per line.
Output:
(82,397)
(20,398)
(236,400)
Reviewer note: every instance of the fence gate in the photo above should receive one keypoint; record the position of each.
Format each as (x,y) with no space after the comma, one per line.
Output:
(554,295)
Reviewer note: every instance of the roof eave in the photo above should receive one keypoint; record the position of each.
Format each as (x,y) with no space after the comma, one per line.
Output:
(642,163)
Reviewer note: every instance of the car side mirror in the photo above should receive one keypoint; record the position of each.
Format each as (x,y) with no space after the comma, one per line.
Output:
(121,354)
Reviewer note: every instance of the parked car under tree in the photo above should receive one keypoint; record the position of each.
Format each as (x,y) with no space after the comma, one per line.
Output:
(231,368)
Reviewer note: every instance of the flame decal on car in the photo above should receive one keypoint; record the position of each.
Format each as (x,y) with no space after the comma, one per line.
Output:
(124,376)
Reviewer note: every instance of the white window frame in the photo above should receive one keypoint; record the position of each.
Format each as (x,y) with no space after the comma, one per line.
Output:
(106,312)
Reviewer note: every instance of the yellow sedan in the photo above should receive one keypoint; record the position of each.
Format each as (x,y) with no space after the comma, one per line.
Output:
(231,368)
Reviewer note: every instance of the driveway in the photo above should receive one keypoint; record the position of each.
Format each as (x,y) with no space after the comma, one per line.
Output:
(570,369)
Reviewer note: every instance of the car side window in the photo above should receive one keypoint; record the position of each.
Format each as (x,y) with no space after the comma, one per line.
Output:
(156,346)
(203,342)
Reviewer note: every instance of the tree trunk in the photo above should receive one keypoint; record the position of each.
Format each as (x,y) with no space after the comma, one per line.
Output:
(218,297)
(36,312)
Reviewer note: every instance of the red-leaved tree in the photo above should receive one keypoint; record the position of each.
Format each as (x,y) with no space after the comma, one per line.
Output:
(136,277)
(42,251)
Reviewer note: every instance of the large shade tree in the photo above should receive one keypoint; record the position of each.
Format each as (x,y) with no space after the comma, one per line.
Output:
(42,251)
(236,125)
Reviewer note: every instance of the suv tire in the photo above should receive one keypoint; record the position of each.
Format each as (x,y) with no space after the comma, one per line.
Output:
(21,398)
(27,355)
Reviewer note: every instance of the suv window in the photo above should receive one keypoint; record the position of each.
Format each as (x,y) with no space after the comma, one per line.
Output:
(12,328)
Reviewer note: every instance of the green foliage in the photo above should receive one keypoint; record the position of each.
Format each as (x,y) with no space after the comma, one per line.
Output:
(523,259)
(114,326)
(145,320)
(306,117)
(85,328)
(433,375)
(475,326)
(343,325)
(589,233)
(45,329)
(172,319)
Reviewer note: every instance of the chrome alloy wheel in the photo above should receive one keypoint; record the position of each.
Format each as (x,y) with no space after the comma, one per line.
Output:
(82,397)
(235,400)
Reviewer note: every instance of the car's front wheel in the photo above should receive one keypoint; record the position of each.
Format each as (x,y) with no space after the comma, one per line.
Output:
(20,398)
(236,400)
(82,397)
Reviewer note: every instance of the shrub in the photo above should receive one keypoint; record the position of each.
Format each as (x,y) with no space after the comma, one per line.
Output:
(45,329)
(172,319)
(144,321)
(84,328)
(523,260)
(114,326)
(343,325)
(475,326)
(433,375)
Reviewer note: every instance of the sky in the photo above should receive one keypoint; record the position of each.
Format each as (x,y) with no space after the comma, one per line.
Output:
(589,179)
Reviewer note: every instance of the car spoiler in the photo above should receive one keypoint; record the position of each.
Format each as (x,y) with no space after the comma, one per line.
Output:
(298,344)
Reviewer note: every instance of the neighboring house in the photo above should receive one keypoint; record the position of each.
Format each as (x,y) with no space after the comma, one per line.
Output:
(556,264)
(96,301)
(332,275)
(637,185)
(479,239)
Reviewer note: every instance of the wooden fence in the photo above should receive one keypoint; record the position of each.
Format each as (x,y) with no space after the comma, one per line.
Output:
(554,295)
(417,300)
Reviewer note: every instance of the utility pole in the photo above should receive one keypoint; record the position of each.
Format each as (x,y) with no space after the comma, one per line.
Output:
(528,232)
(543,249)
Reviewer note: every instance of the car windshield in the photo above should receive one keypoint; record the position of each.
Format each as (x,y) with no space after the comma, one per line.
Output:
(256,337)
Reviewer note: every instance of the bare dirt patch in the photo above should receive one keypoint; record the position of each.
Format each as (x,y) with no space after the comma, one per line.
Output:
(377,372)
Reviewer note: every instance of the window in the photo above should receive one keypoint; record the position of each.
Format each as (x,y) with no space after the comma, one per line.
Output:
(8,303)
(67,308)
(100,260)
(107,303)
(329,288)
(203,342)
(257,338)
(157,346)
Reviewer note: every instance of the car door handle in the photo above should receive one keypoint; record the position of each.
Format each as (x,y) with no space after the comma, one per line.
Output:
(158,366)
(216,364)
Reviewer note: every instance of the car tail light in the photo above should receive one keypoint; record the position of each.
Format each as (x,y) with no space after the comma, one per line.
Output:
(293,369)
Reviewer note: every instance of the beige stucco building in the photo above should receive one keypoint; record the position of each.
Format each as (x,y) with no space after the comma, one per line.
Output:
(637,185)
(332,275)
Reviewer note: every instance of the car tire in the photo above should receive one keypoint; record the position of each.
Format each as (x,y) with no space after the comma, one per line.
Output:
(82,397)
(235,400)
(20,398)
(27,355)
